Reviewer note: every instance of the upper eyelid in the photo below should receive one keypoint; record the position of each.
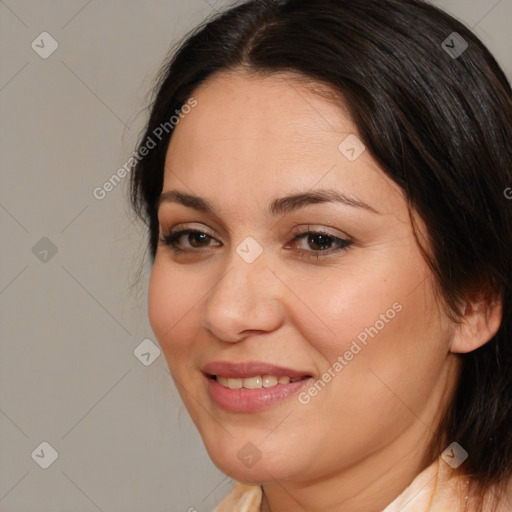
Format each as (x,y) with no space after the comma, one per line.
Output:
(188,227)
(302,230)
(228,232)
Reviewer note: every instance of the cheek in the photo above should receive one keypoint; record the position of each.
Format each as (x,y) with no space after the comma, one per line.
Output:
(171,311)
(381,327)
(387,371)
(347,305)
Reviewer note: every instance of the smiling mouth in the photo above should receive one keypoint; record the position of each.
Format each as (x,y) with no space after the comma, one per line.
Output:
(251,386)
(255,382)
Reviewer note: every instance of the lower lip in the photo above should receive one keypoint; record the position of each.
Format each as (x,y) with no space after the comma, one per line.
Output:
(251,400)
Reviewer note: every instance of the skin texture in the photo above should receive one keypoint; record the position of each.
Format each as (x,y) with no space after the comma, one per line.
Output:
(361,440)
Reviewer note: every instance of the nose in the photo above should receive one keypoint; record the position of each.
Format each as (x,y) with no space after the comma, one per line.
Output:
(245,299)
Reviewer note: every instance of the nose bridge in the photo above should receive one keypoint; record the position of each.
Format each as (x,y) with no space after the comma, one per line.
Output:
(244,298)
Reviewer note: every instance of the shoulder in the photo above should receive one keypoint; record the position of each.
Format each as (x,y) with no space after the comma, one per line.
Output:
(243,498)
(435,489)
(438,489)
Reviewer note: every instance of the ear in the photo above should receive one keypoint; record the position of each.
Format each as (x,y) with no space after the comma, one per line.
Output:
(480,322)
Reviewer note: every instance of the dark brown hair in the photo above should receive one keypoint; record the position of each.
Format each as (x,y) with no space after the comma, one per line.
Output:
(439,124)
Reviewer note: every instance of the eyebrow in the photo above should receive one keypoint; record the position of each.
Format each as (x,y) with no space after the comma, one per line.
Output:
(279,206)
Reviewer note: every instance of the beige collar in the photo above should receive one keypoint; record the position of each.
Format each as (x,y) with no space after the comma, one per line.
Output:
(435,489)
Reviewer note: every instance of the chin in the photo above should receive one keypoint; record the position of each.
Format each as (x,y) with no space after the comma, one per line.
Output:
(245,463)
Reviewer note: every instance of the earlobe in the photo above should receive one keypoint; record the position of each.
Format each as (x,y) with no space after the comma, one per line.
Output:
(480,322)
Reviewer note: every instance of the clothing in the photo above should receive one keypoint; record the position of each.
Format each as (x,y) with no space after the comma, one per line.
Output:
(431,491)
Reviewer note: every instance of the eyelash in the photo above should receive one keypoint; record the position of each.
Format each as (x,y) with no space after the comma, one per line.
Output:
(171,240)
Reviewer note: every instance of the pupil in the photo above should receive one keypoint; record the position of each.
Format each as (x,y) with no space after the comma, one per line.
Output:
(193,238)
(321,241)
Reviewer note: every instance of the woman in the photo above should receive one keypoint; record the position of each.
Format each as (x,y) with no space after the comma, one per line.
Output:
(325,196)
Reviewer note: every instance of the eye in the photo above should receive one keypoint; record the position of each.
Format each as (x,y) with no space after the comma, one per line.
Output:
(321,242)
(197,239)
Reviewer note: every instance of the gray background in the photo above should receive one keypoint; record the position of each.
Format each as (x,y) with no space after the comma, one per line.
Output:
(70,321)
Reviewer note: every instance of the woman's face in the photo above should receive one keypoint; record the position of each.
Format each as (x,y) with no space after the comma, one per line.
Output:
(332,291)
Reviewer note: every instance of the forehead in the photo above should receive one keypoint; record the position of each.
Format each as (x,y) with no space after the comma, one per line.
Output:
(269,134)
(279,111)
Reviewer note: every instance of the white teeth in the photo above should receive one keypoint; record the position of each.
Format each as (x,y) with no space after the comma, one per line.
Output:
(223,381)
(252,382)
(255,382)
(235,383)
(269,381)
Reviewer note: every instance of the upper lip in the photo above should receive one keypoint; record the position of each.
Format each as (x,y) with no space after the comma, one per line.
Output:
(245,369)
